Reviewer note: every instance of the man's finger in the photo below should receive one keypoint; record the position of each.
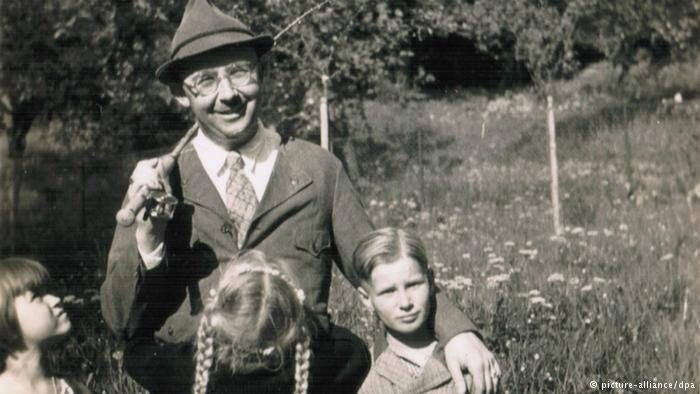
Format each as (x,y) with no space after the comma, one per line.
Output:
(488,380)
(496,374)
(143,167)
(478,381)
(457,377)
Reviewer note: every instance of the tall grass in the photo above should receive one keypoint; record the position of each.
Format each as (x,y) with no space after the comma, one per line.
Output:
(614,300)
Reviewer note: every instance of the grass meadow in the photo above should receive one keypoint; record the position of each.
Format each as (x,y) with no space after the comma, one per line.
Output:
(614,299)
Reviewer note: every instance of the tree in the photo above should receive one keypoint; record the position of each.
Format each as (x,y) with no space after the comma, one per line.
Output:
(86,64)
(361,46)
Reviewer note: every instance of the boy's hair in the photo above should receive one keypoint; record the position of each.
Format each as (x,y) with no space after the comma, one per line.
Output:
(384,246)
(255,321)
(17,276)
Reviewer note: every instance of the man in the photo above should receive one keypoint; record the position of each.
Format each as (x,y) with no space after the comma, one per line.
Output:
(241,187)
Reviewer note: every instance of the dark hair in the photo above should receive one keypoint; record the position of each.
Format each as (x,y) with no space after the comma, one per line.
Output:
(387,245)
(17,276)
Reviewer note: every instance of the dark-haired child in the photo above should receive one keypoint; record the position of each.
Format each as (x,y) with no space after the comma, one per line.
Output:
(31,319)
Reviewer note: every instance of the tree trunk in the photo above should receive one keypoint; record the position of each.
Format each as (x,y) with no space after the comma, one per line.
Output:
(19,124)
(4,201)
(17,171)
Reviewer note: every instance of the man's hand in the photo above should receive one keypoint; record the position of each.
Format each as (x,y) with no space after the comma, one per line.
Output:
(466,351)
(150,230)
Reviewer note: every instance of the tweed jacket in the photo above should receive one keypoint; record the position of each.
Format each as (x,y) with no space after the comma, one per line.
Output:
(390,375)
(309,216)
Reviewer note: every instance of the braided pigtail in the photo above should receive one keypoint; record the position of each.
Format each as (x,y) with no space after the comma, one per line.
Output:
(302,358)
(204,356)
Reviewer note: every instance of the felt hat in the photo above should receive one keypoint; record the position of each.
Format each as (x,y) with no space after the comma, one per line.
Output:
(203,28)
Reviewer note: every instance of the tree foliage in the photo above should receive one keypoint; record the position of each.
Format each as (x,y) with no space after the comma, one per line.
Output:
(543,34)
(87,65)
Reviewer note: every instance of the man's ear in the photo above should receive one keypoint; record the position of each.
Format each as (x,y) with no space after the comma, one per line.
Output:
(183,101)
(179,93)
(364,297)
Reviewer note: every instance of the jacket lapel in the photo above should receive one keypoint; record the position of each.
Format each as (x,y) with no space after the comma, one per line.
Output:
(389,366)
(288,178)
(196,185)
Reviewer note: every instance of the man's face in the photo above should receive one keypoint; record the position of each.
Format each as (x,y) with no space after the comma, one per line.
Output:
(222,97)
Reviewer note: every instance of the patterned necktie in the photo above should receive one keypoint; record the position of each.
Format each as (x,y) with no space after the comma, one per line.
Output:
(241,201)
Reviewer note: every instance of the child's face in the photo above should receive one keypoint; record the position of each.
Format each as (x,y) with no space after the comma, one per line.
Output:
(400,294)
(40,317)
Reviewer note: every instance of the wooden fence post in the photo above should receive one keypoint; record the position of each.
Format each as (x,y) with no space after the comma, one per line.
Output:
(554,167)
(325,137)
(421,179)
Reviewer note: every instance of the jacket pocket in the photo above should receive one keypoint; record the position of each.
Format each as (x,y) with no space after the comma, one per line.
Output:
(313,242)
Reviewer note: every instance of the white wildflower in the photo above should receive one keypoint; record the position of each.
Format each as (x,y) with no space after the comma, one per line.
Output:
(666,257)
(463,280)
(556,277)
(495,260)
(528,252)
(493,281)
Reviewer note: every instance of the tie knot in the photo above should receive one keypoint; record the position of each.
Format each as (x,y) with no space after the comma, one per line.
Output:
(234,161)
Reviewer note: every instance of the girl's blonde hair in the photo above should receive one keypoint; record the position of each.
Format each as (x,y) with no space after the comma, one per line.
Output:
(255,321)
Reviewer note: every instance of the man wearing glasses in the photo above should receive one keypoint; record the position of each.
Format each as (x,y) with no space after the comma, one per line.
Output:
(241,187)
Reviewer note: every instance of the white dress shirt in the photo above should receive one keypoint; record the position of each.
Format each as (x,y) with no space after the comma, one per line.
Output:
(259,157)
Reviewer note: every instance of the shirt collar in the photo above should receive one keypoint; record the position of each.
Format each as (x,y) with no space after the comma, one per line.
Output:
(258,148)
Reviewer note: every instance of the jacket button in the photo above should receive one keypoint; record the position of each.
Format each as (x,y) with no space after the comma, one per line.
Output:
(226,229)
(170,331)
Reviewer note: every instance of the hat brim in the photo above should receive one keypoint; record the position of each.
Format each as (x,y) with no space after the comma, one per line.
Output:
(169,73)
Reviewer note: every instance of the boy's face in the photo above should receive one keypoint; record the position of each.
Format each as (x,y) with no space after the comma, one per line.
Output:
(400,294)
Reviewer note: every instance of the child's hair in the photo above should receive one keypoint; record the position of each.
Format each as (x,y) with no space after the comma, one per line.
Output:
(255,321)
(384,246)
(17,276)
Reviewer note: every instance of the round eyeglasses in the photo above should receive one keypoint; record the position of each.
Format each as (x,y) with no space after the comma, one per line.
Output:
(207,82)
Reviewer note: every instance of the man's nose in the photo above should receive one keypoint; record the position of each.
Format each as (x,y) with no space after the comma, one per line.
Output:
(227,92)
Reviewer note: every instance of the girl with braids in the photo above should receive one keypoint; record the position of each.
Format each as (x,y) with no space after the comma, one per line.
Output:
(252,328)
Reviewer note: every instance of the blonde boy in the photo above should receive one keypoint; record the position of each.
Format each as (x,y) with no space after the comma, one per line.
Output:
(397,285)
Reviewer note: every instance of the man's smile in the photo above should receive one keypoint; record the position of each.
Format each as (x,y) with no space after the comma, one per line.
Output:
(233,112)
